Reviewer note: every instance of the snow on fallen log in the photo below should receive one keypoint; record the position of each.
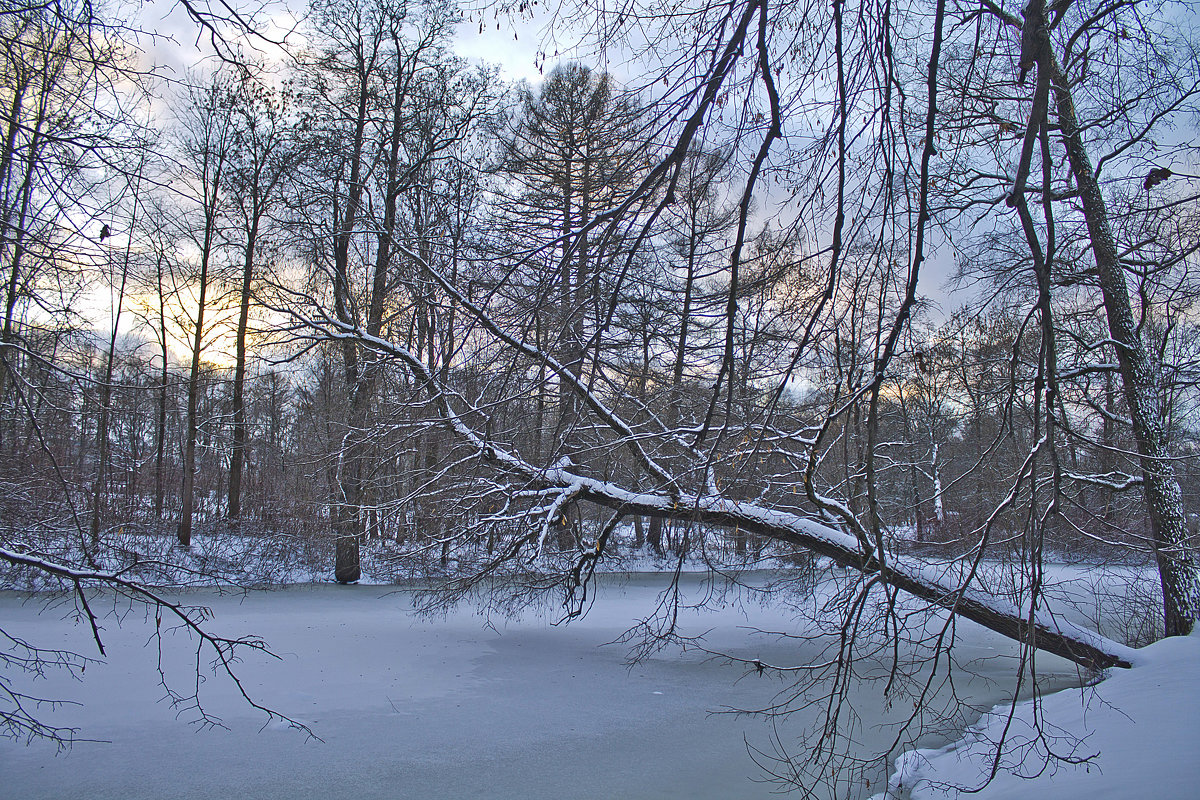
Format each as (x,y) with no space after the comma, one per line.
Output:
(1051,634)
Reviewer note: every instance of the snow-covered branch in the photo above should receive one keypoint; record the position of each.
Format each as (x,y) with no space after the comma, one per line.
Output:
(911,575)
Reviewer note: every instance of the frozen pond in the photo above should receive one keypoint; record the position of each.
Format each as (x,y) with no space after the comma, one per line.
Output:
(410,708)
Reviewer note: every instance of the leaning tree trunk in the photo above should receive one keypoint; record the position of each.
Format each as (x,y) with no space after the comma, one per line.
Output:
(1140,378)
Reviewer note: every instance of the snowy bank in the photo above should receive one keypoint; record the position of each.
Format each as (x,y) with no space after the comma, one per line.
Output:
(1132,734)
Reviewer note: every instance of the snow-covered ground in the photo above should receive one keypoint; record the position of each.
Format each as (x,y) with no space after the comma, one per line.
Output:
(1134,734)
(271,559)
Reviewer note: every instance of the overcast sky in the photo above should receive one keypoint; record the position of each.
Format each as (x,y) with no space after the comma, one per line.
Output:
(176,44)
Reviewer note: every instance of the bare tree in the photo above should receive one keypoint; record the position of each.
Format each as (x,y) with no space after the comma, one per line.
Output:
(400,103)
(208,142)
(263,158)
(870,188)
(119,280)
(1143,87)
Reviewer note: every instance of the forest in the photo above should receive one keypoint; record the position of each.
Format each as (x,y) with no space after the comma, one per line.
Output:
(902,292)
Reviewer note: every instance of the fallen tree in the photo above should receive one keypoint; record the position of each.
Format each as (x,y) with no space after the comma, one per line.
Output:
(1030,626)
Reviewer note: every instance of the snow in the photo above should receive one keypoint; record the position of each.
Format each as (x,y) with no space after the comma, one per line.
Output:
(1135,733)
(461,705)
(448,707)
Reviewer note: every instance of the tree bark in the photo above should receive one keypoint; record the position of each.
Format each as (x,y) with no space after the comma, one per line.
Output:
(346,524)
(184,531)
(1177,564)
(240,433)
(160,439)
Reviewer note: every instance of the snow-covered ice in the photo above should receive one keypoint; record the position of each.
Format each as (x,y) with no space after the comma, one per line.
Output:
(448,708)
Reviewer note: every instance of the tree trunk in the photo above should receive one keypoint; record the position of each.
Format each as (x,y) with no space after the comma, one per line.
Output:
(184,531)
(655,535)
(1055,635)
(916,500)
(17,236)
(99,490)
(1177,564)
(160,440)
(346,523)
(1108,442)
(240,434)
(99,486)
